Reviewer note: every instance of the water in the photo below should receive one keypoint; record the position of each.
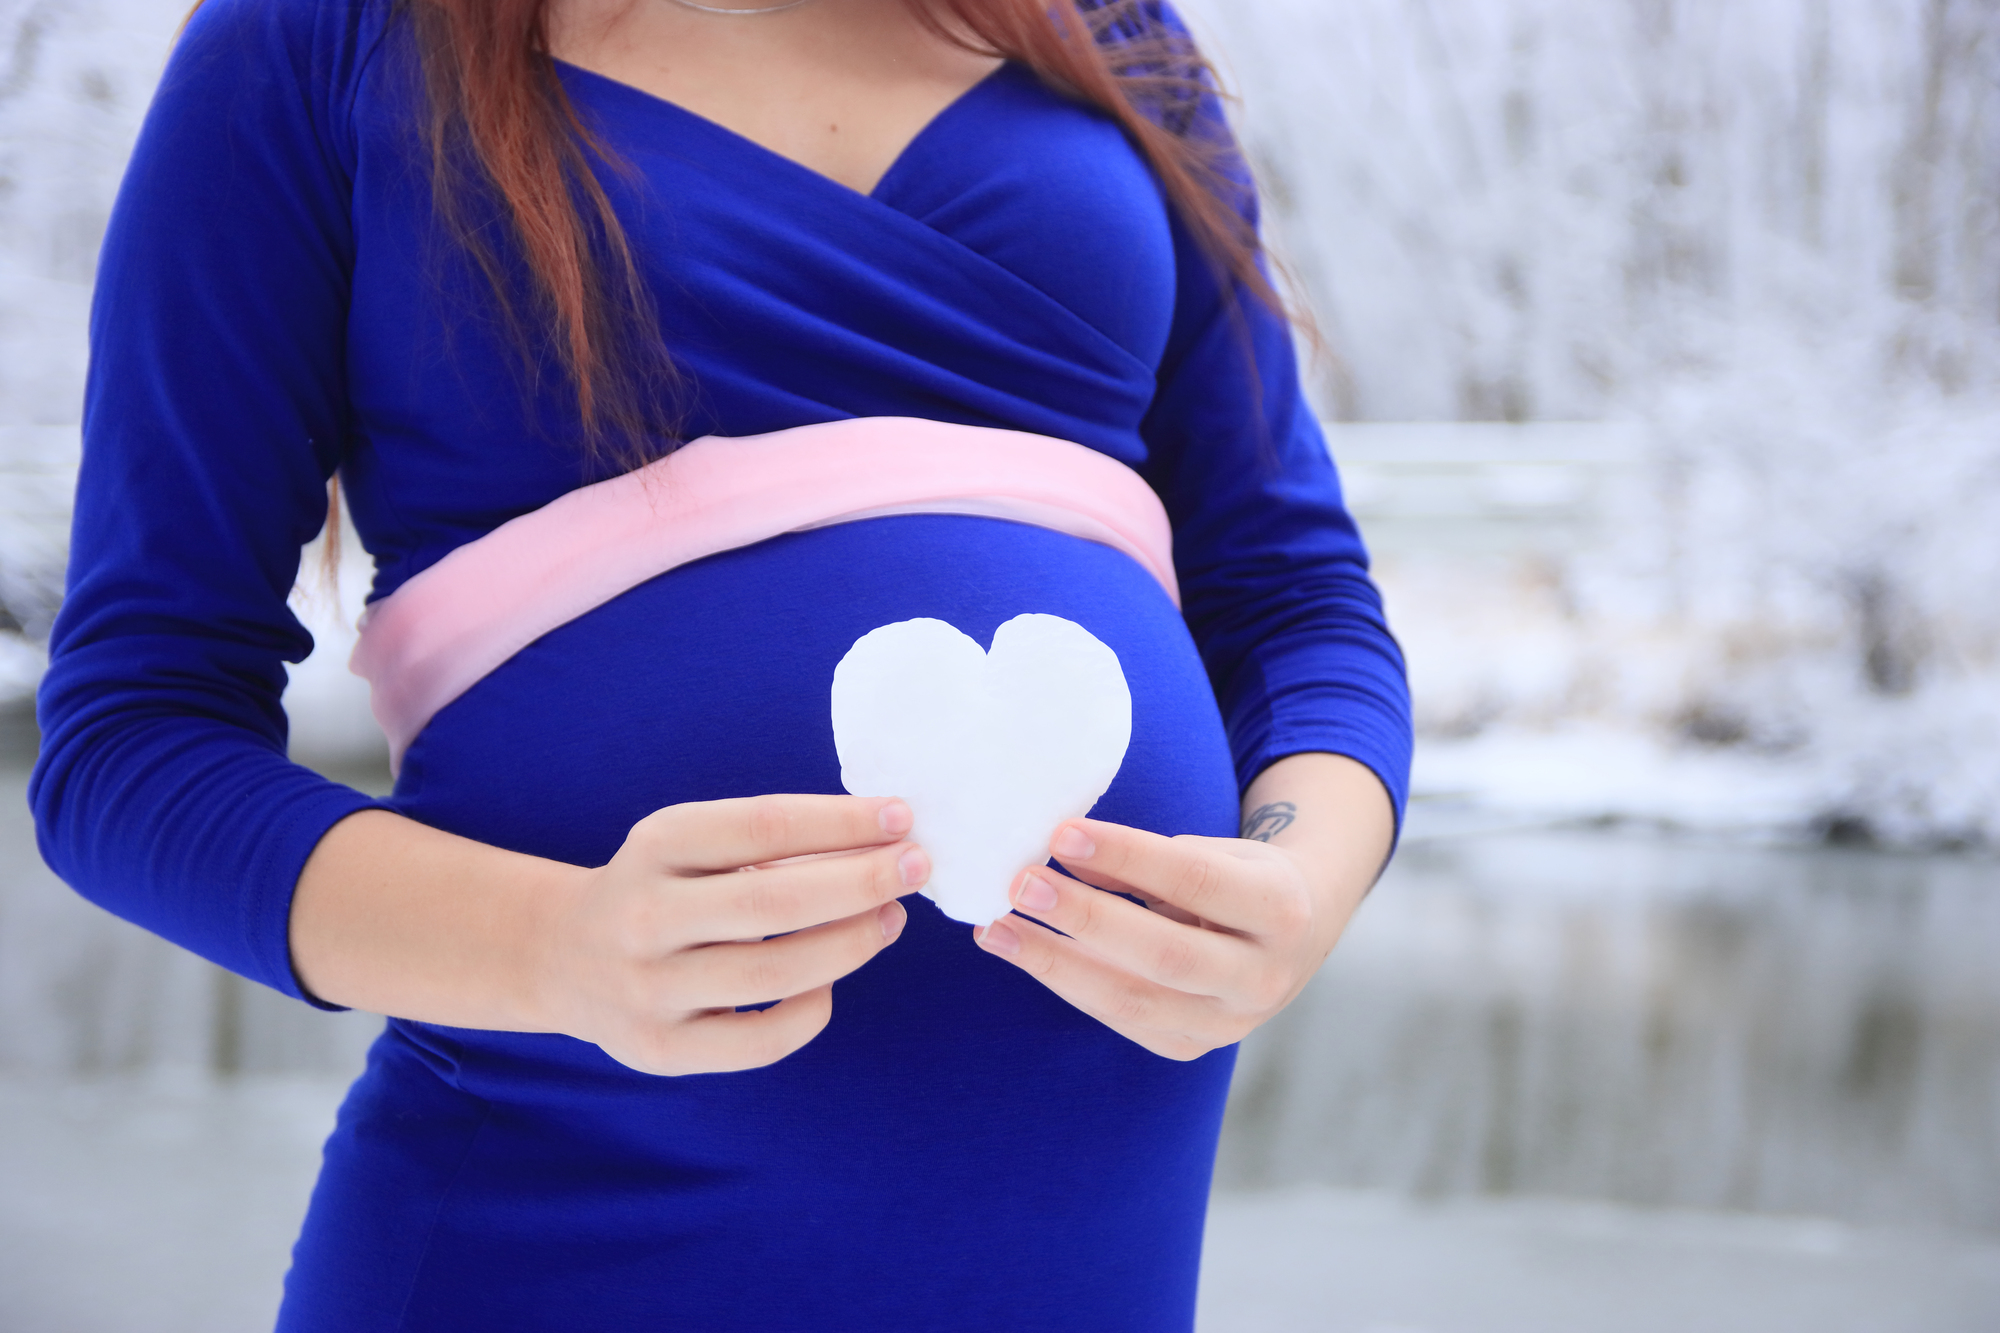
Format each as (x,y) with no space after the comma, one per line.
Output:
(1622,1015)
(1517,1013)
(1538,1012)
(1660,1030)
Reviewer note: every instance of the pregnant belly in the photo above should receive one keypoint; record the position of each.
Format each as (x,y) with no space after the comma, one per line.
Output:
(951,1099)
(713,680)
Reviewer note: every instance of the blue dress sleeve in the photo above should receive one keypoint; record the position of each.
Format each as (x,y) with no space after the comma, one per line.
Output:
(1274,575)
(214,413)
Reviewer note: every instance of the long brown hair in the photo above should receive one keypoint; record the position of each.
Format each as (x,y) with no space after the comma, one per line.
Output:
(501,129)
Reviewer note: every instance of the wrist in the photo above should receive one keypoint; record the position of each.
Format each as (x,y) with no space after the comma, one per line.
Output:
(394,917)
(1332,816)
(547,908)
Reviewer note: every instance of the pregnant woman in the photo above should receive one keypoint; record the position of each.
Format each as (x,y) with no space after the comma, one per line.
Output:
(662,350)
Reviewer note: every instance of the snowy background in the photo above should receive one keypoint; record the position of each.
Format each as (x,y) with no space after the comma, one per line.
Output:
(1662,360)
(1757,243)
(1764,235)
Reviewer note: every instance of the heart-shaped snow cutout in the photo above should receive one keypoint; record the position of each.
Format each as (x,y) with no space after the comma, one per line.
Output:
(992,750)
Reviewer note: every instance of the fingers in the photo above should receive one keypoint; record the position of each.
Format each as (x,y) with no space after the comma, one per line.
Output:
(725,1043)
(715,1038)
(726,975)
(723,835)
(1166,1022)
(1145,943)
(1097,879)
(652,959)
(779,899)
(1229,882)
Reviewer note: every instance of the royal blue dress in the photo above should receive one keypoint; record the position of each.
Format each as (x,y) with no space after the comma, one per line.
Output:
(960,1149)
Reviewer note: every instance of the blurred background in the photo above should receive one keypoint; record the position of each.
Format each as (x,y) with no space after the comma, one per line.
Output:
(1662,361)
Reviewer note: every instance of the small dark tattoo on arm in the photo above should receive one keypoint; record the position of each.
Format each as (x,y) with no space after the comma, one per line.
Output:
(1268,821)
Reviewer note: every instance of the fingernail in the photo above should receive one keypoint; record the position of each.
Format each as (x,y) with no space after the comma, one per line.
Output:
(892,917)
(1036,894)
(1073,845)
(895,817)
(1000,939)
(914,866)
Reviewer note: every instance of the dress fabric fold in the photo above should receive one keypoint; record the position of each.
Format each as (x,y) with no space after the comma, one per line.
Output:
(959,1149)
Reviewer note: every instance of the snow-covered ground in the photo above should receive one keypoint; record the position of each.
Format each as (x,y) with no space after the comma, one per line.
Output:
(1318,1260)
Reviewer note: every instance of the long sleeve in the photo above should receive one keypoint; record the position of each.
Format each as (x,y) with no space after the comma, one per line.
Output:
(214,414)
(1274,574)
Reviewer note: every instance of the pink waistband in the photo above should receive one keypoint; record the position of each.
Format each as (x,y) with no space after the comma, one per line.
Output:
(437,635)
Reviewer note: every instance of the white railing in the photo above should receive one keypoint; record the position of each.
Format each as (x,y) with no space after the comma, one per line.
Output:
(1455,486)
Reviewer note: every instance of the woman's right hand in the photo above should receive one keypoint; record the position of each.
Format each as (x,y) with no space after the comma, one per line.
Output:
(716,904)
(707,906)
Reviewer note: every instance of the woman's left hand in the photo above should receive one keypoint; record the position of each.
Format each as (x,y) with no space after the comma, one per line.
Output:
(1232,929)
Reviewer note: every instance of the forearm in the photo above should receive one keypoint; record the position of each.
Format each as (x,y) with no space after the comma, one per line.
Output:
(395,917)
(1335,817)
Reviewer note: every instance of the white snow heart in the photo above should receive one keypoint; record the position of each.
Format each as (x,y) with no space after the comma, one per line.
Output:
(992,750)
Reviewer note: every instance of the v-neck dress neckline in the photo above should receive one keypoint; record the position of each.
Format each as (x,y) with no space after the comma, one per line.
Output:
(716,130)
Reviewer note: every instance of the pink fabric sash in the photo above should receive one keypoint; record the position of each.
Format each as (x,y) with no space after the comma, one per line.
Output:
(437,635)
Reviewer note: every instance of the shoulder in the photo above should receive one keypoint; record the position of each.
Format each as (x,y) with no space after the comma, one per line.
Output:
(1146,37)
(1154,50)
(322,43)
(250,68)
(1136,20)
